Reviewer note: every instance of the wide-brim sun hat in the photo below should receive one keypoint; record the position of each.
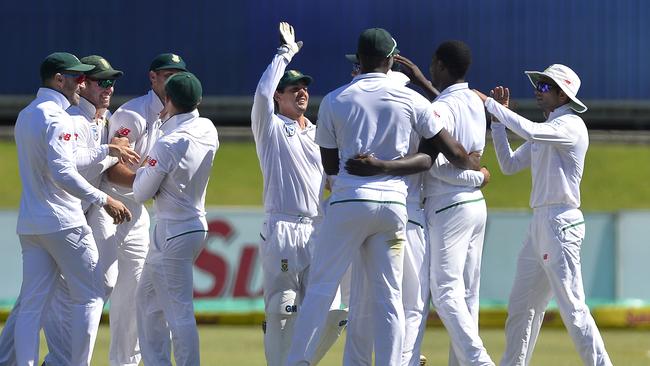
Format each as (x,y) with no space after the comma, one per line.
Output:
(566,79)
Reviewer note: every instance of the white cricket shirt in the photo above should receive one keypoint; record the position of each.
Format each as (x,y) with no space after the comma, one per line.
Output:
(289,157)
(372,115)
(178,168)
(137,120)
(52,187)
(463,115)
(554,150)
(92,134)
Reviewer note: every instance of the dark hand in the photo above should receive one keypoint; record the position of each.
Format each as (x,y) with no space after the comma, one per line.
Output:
(475,159)
(364,166)
(410,69)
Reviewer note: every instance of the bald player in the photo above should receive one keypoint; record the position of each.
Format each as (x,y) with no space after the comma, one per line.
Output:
(549,260)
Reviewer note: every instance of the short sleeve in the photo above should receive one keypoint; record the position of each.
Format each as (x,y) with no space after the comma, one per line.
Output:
(429,120)
(127,124)
(325,134)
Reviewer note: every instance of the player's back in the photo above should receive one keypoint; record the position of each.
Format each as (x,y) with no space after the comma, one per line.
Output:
(375,116)
(190,151)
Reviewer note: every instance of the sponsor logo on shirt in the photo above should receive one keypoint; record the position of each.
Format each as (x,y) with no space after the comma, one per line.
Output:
(149,161)
(123,131)
(68,136)
(435,113)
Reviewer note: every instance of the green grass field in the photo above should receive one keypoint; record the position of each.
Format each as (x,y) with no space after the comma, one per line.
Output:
(242,345)
(615,178)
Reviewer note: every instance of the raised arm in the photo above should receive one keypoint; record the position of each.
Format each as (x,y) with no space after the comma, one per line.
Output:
(416,76)
(555,132)
(263,107)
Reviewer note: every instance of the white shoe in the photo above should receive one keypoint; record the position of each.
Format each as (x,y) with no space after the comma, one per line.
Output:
(423,360)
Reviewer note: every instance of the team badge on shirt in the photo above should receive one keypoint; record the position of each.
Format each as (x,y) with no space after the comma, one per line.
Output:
(284,265)
(95,131)
(290,130)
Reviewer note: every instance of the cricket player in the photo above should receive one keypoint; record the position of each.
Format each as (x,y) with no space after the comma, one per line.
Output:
(175,174)
(455,209)
(367,215)
(549,260)
(293,180)
(138,120)
(91,117)
(52,228)
(415,278)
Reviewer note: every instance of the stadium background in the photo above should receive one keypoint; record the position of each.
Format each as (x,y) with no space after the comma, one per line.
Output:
(228,45)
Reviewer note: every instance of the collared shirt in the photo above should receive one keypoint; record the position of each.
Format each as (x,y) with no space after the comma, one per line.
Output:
(554,150)
(52,187)
(463,115)
(93,135)
(289,157)
(178,167)
(138,121)
(372,115)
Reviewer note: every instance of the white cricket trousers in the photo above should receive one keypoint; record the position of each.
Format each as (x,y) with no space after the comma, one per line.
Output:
(285,256)
(164,296)
(415,299)
(456,232)
(549,265)
(375,231)
(73,254)
(124,248)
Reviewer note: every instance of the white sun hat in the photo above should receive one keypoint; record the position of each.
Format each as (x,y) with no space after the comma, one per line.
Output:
(566,79)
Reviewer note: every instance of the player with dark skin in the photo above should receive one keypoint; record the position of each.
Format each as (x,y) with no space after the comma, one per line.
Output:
(365,165)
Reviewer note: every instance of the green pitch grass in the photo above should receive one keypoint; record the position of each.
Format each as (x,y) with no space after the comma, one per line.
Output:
(230,345)
(615,178)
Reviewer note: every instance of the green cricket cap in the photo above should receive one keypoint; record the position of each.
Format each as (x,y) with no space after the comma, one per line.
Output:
(62,61)
(376,42)
(168,61)
(184,89)
(292,77)
(103,69)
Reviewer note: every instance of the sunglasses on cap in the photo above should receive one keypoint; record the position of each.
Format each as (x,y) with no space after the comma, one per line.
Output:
(79,78)
(104,83)
(544,87)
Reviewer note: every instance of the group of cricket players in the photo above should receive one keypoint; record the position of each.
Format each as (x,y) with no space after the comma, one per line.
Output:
(372,214)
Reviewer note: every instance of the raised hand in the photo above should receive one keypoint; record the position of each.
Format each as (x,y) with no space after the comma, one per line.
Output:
(288,37)
(502,95)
